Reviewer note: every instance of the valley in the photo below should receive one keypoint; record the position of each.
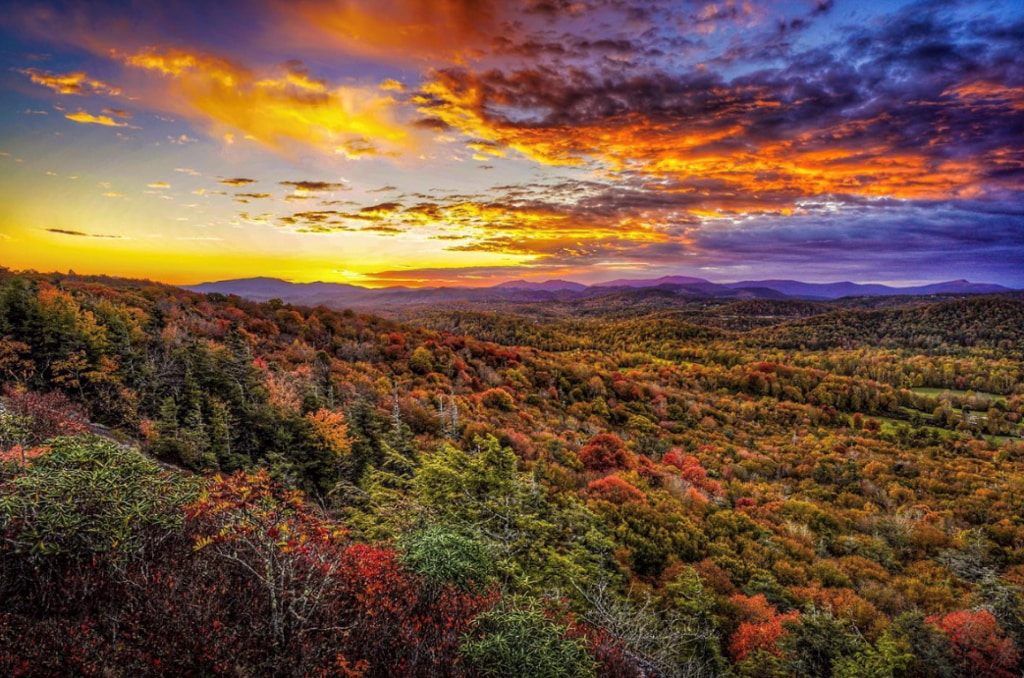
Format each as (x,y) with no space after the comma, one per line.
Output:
(689,487)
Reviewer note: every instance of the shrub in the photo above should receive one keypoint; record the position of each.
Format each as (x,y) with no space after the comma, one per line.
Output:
(605,451)
(615,490)
(443,556)
(520,642)
(498,399)
(89,495)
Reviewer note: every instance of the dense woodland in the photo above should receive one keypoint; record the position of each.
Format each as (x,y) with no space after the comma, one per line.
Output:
(200,485)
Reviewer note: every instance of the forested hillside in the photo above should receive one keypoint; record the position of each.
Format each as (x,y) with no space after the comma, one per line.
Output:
(200,485)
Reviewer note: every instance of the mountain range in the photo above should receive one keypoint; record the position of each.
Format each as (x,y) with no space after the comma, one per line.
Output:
(341,295)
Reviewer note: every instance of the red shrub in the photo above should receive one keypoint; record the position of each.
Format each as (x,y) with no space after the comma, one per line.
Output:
(604,452)
(49,414)
(615,490)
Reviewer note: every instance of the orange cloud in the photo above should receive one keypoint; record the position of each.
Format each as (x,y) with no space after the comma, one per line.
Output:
(280,110)
(70,83)
(526,230)
(718,153)
(90,119)
(989,93)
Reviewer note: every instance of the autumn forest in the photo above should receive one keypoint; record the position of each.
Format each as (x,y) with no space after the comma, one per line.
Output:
(200,485)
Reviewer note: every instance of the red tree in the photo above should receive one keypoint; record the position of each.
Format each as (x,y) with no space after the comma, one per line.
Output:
(979,644)
(760,629)
(604,452)
(324,598)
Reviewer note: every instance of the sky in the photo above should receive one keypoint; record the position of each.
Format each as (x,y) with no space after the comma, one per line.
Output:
(470,142)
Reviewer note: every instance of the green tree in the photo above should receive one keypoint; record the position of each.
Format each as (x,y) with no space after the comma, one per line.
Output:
(929,648)
(540,538)
(885,659)
(518,641)
(445,556)
(421,361)
(816,643)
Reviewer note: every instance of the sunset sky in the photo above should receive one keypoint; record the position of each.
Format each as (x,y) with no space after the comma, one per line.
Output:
(441,142)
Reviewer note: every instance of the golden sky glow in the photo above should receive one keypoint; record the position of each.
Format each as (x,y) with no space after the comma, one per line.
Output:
(273,109)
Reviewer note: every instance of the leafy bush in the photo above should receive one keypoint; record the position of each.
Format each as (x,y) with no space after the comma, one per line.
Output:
(88,495)
(444,556)
(498,399)
(516,641)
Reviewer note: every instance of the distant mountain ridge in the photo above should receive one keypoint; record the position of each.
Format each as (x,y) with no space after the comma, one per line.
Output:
(342,295)
(793,288)
(656,282)
(549,285)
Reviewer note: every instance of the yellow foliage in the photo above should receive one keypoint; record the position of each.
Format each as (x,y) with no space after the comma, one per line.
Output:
(332,430)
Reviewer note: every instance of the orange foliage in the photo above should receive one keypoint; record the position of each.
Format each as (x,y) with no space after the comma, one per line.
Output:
(765,636)
(284,389)
(615,490)
(21,456)
(13,363)
(843,603)
(753,609)
(760,629)
(497,399)
(330,426)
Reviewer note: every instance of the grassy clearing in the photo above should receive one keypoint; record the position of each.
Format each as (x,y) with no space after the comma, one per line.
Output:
(953,393)
(890,424)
